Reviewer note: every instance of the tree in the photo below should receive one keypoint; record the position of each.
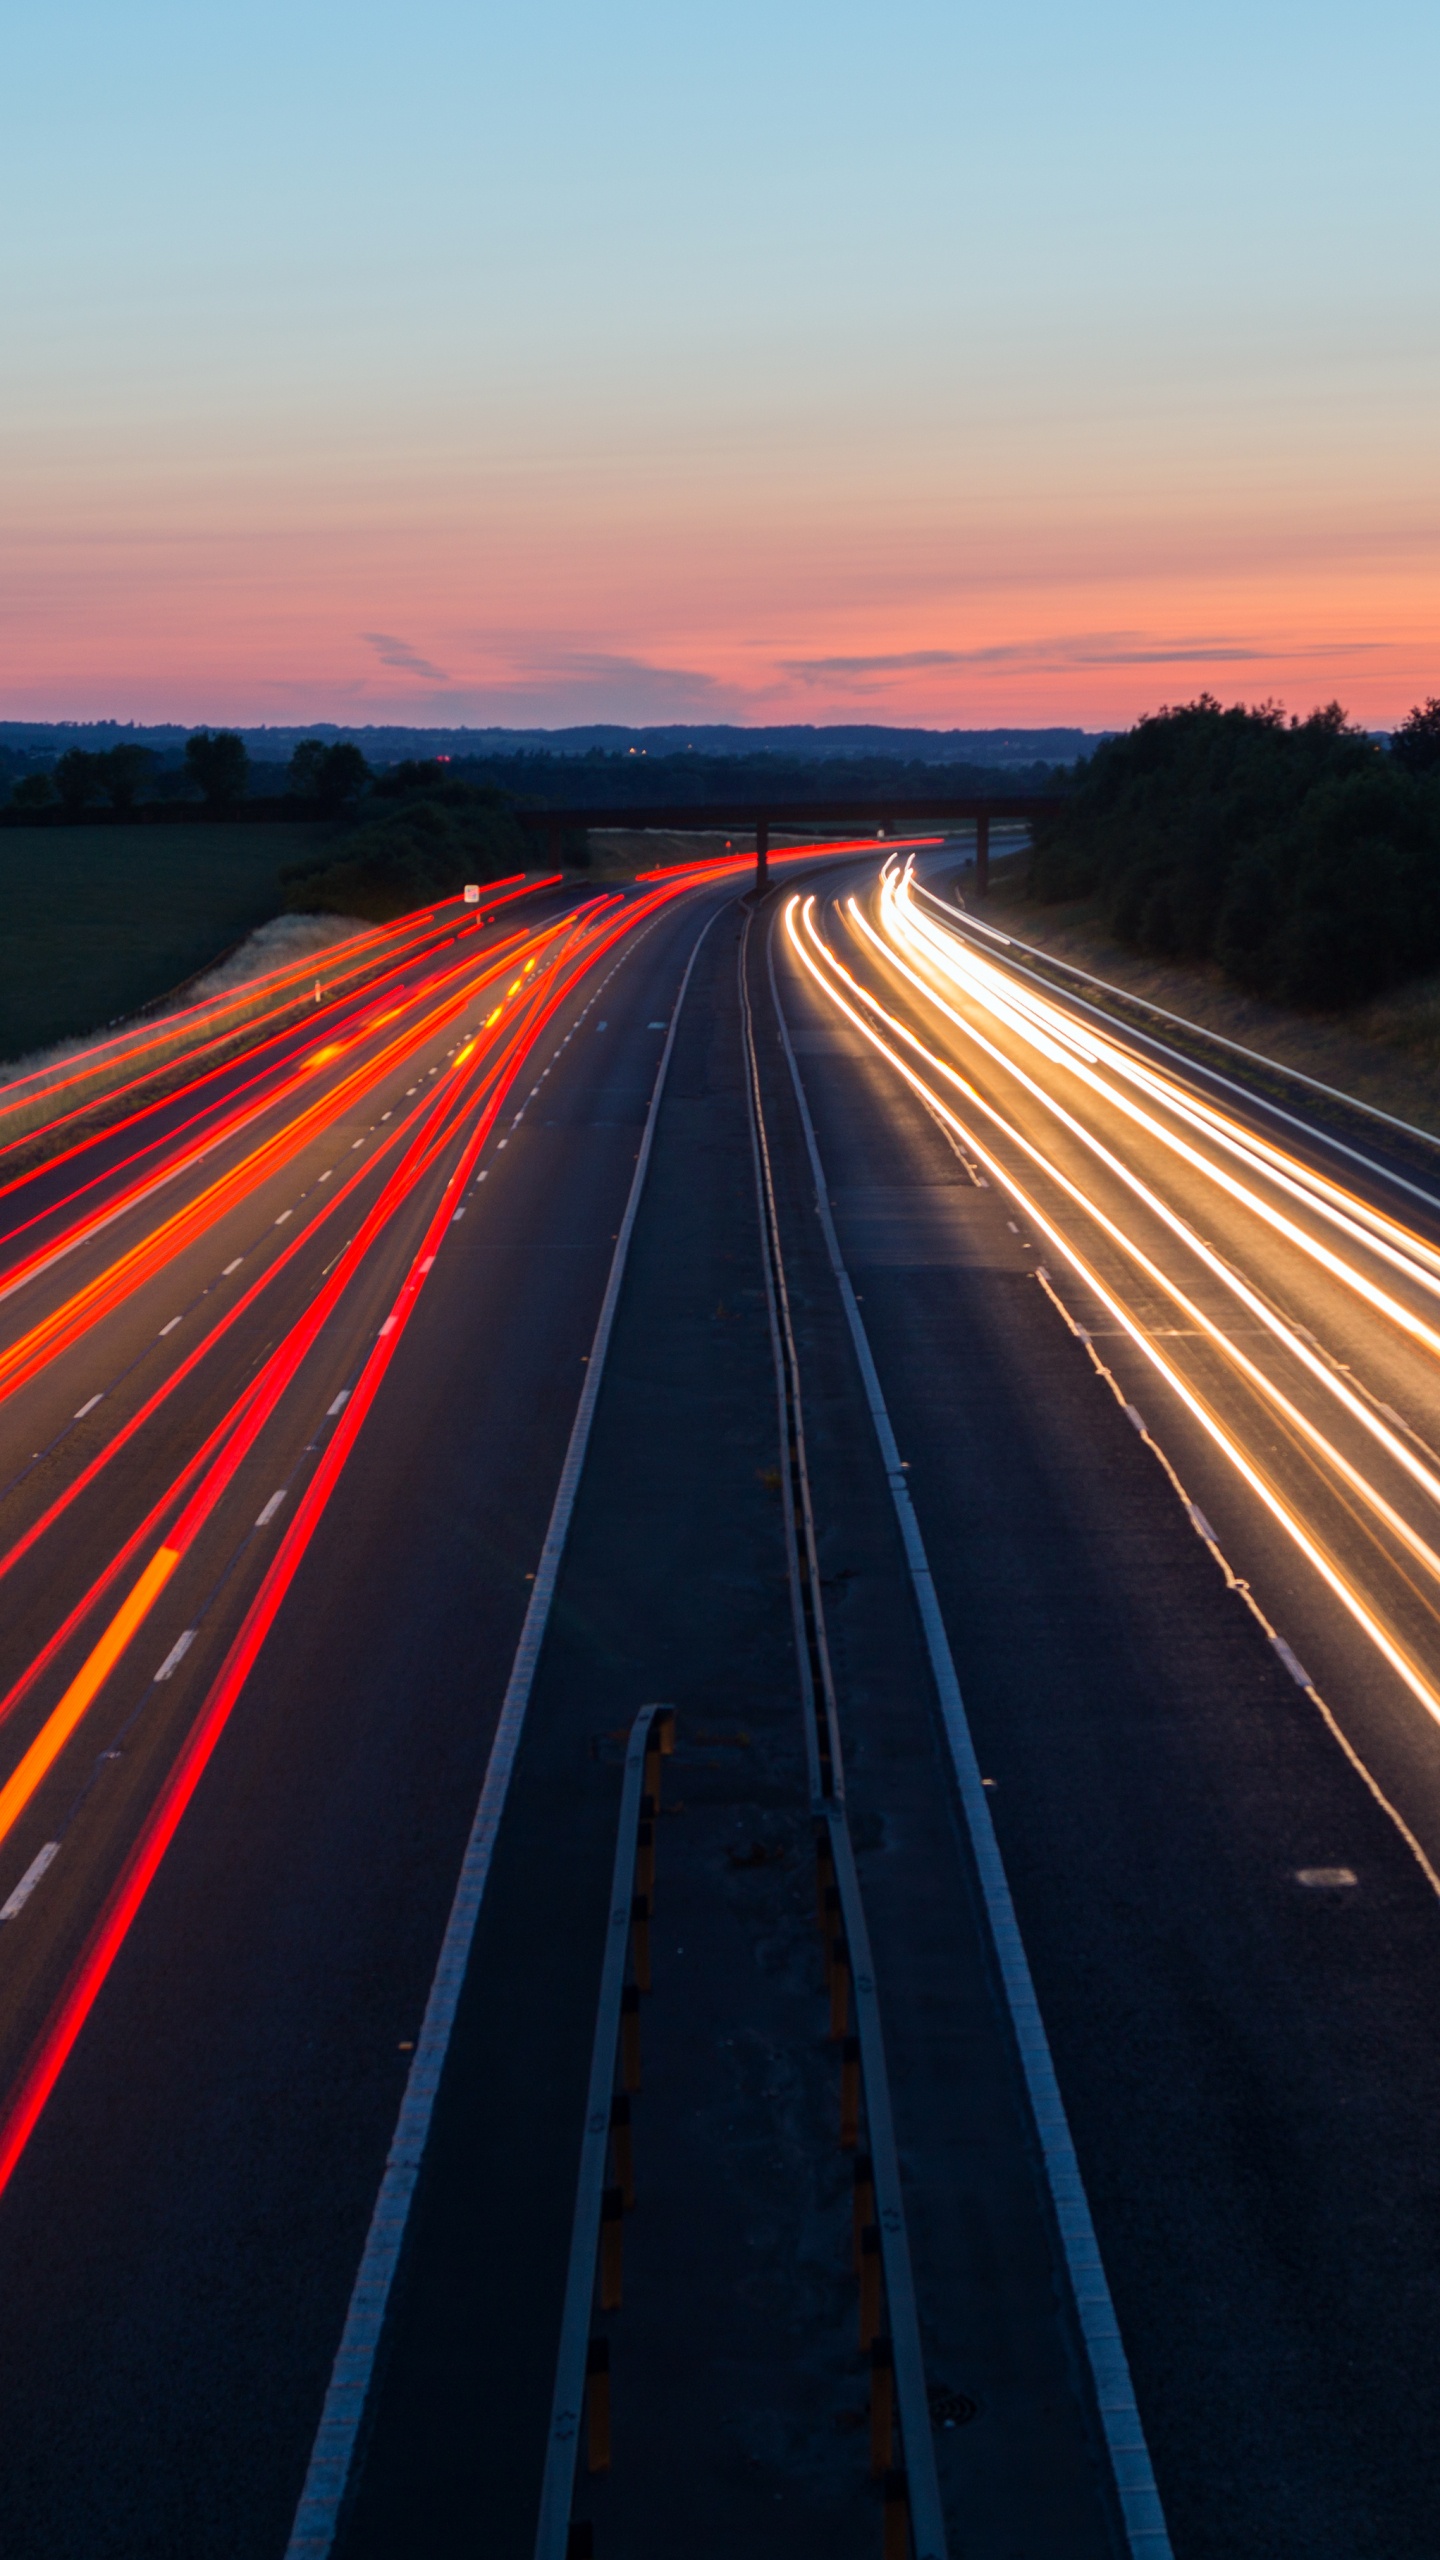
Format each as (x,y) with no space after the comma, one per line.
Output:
(33,791)
(1416,743)
(305,768)
(220,763)
(77,779)
(121,772)
(330,774)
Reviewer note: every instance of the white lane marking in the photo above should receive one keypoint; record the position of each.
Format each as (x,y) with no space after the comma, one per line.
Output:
(429,1262)
(459,1214)
(654,1026)
(409,1089)
(312,2535)
(326,1175)
(387,1115)
(284,1214)
(340,1402)
(482,1177)
(1109,2365)
(90,1407)
(387,1327)
(1133,1415)
(503,1143)
(167,1328)
(29,1880)
(356,1142)
(1293,1665)
(1303,1875)
(232,1266)
(271,1507)
(176,1654)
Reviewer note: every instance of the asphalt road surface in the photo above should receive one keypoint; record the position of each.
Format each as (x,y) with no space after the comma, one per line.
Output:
(288,1370)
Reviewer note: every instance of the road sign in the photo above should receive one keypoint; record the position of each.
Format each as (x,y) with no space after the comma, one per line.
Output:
(472,893)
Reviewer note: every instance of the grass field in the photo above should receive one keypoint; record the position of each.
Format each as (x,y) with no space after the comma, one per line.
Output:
(94,922)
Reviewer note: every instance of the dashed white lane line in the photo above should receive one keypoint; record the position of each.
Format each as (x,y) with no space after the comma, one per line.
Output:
(168,1328)
(483,1177)
(503,1143)
(340,1402)
(232,1266)
(459,1214)
(327,1173)
(284,1214)
(176,1654)
(657,1026)
(29,1880)
(90,1407)
(356,1142)
(1303,1875)
(272,1506)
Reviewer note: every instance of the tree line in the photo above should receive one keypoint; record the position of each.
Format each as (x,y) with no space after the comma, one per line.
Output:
(1302,856)
(215,764)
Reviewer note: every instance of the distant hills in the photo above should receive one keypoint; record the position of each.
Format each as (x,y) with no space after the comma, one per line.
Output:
(39,741)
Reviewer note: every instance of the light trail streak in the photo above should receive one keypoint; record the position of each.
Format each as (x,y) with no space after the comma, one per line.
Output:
(183,1094)
(353,952)
(824,969)
(58,2036)
(24,1357)
(237,1434)
(1214,1262)
(1075,1050)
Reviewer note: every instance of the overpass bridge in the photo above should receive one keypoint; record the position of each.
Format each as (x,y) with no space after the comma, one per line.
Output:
(758,817)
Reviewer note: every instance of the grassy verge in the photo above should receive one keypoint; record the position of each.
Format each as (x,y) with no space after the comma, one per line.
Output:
(1387,1051)
(96,922)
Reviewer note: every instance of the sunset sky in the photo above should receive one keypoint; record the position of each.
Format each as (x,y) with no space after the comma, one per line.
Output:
(916,362)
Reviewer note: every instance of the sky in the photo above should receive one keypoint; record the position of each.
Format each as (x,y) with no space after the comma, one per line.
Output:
(923,362)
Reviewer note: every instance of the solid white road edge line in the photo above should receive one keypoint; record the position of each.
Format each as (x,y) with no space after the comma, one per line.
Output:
(1119,2416)
(318,2514)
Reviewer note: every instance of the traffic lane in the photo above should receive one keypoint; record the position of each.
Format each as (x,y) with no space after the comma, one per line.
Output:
(183,2232)
(1228,1224)
(1248,2063)
(91,1806)
(1401,1365)
(70,1407)
(45,1581)
(229,1552)
(1396,1583)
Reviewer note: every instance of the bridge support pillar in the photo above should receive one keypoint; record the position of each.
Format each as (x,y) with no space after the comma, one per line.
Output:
(982,856)
(762,857)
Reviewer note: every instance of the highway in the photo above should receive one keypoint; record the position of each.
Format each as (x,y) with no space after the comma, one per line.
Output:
(297,1301)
